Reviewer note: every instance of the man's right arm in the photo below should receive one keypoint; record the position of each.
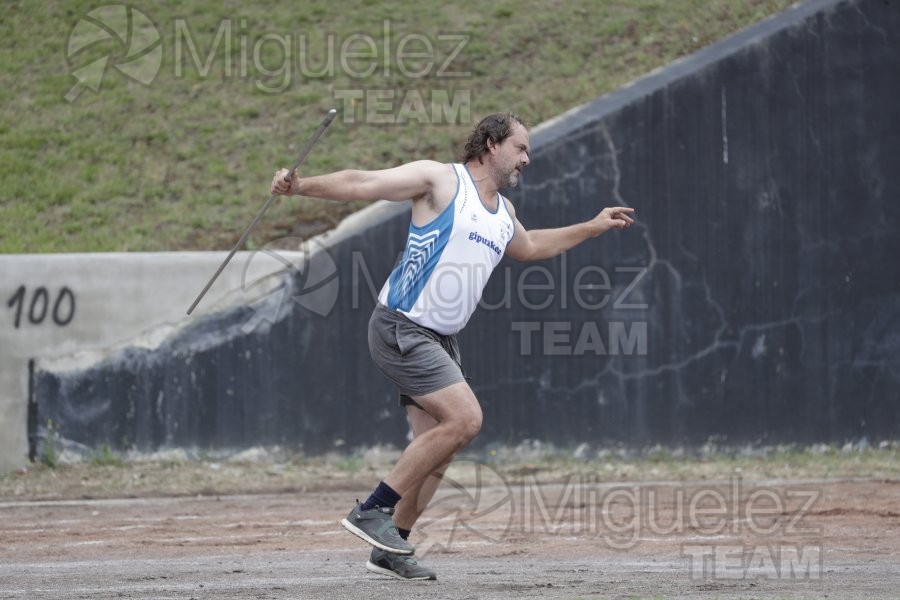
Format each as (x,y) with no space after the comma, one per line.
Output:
(411,181)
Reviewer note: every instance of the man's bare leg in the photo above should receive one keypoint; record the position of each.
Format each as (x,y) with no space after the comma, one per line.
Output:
(416,499)
(458,417)
(409,509)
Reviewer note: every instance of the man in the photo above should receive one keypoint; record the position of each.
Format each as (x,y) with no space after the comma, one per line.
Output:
(461,227)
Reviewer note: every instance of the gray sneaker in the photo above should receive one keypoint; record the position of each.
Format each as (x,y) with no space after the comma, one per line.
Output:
(398,567)
(377,528)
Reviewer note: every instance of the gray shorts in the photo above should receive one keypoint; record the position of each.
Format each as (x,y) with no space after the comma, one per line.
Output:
(418,360)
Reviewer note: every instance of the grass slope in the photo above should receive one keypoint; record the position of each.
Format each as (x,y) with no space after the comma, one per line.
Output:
(185,162)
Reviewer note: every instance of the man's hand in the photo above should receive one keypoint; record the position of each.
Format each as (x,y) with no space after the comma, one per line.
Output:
(538,244)
(281,186)
(613,217)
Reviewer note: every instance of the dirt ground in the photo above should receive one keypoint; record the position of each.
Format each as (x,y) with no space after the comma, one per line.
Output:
(486,534)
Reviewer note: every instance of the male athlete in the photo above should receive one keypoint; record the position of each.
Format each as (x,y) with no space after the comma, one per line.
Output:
(461,227)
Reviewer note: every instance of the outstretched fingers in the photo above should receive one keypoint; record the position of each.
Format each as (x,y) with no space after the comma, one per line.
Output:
(621,216)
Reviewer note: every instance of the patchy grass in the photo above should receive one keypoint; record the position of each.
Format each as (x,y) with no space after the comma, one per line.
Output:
(265,472)
(787,462)
(185,162)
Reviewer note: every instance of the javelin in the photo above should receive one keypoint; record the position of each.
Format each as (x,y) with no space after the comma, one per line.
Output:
(303,153)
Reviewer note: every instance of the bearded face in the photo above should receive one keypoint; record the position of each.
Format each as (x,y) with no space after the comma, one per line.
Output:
(511,158)
(508,173)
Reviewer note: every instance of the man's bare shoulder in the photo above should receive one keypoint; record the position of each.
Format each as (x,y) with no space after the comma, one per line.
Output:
(433,168)
(443,184)
(509,206)
(441,178)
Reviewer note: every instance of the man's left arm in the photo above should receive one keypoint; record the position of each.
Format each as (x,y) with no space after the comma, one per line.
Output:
(539,244)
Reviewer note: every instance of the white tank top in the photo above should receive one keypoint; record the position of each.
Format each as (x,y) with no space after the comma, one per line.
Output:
(446,264)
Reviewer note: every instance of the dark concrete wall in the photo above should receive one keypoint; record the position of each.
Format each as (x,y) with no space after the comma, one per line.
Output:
(766,175)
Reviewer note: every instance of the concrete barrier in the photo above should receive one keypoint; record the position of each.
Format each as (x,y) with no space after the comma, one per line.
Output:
(68,311)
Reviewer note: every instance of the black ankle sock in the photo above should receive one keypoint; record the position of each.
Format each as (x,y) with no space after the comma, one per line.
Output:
(384,495)
(404,533)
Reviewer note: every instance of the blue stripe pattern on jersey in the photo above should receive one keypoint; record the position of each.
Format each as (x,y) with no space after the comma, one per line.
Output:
(424,247)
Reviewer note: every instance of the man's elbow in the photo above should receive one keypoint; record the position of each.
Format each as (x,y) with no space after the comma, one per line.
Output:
(527,253)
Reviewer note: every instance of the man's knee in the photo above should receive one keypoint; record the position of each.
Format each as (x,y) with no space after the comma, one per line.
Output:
(458,408)
(472,425)
(467,423)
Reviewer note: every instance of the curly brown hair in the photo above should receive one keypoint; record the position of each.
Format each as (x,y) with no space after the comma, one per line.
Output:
(495,127)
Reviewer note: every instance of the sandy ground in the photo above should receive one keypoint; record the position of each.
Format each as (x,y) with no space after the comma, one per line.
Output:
(485,537)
